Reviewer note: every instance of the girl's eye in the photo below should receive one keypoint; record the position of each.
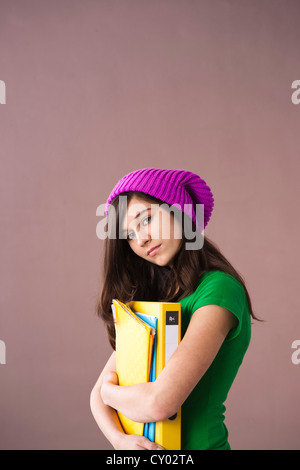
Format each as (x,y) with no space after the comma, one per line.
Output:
(146,220)
(130,236)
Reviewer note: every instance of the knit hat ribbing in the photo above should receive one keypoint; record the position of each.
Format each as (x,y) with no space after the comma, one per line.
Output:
(171,186)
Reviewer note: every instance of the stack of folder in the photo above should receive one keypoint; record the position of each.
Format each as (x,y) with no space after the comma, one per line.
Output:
(147,334)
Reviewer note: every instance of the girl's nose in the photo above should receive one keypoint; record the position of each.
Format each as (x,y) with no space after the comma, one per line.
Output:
(142,238)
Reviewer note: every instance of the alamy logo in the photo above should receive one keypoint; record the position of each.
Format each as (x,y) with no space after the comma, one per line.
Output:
(296,354)
(107,227)
(2,92)
(2,352)
(296,95)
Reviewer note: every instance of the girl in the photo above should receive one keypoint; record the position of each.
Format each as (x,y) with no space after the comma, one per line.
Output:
(143,263)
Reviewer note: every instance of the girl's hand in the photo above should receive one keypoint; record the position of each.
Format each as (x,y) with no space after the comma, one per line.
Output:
(135,442)
(111,377)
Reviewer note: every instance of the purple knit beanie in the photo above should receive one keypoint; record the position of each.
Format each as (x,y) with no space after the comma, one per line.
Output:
(171,186)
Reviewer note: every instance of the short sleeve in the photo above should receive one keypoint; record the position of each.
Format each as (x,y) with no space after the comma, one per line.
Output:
(222,289)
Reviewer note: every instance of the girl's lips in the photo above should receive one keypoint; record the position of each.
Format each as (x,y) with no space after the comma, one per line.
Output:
(154,250)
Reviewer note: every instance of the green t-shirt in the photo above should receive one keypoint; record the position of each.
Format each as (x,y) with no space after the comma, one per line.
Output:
(203,411)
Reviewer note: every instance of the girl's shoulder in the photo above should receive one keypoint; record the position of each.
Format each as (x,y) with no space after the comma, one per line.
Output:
(222,289)
(218,278)
(216,287)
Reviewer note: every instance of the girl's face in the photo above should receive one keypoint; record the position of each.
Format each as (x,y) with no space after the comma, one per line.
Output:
(153,233)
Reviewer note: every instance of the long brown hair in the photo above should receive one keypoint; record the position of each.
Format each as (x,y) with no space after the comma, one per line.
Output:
(128,277)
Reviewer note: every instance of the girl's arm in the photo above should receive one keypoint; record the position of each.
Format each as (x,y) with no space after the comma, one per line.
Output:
(107,419)
(105,416)
(161,399)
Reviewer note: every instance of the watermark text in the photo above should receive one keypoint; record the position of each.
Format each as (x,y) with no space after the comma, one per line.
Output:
(2,92)
(296,94)
(296,354)
(159,221)
(2,352)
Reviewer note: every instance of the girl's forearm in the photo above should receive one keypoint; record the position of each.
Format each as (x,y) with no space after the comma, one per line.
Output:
(108,421)
(106,418)
(104,415)
(136,402)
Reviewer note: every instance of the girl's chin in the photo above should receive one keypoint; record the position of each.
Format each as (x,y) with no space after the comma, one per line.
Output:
(162,262)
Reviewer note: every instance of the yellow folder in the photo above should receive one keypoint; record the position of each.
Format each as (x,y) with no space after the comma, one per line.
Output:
(132,354)
(168,314)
